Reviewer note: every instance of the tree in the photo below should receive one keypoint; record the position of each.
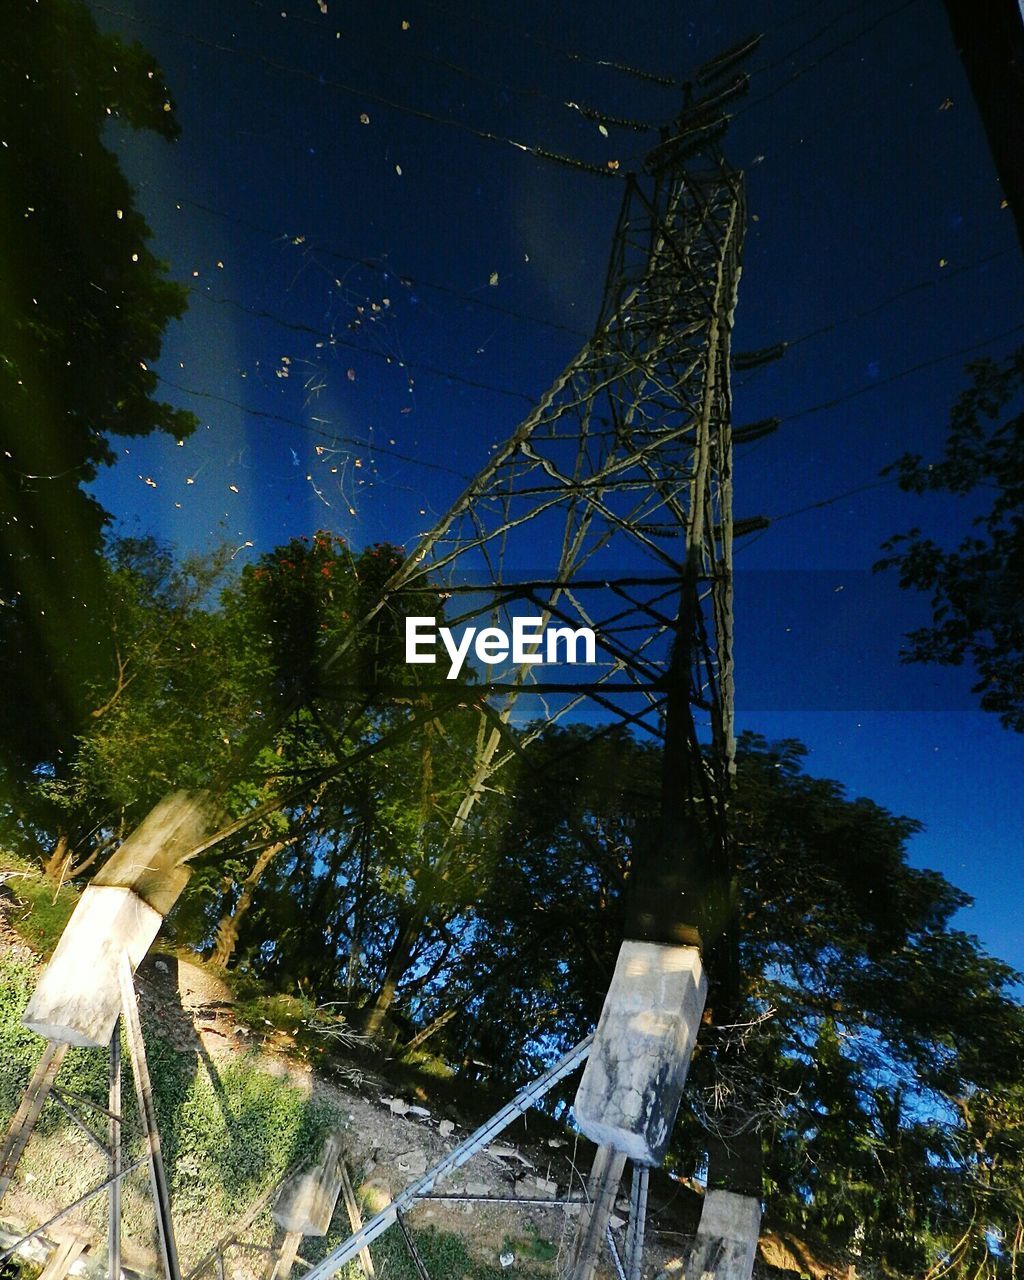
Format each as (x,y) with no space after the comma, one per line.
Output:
(550,899)
(359,880)
(865,1013)
(83,307)
(860,990)
(182,685)
(977,587)
(355,867)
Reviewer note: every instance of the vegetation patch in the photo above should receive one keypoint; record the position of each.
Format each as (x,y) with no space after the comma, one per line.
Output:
(40,909)
(228,1130)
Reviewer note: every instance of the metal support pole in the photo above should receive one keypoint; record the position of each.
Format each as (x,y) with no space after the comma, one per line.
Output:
(476,1141)
(637,1221)
(610,1241)
(76,1119)
(114,1141)
(75,1204)
(285,1259)
(147,1113)
(414,1253)
(65,1254)
(28,1112)
(355,1219)
(237,1229)
(605,1174)
(528,1202)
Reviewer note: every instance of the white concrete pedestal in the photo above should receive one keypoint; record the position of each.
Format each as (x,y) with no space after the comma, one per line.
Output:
(633,1082)
(726,1243)
(307,1200)
(77,999)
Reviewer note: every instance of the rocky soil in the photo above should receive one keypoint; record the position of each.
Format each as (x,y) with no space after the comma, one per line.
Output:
(392,1135)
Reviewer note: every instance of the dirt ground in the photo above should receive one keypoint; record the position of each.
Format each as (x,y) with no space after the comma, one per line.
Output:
(393,1137)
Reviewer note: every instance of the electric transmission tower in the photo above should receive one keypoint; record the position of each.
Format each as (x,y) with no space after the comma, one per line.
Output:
(610,507)
(619,482)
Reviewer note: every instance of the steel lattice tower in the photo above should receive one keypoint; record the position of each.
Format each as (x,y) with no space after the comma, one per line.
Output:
(619,482)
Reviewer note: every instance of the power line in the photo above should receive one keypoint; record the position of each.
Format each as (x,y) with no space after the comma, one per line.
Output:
(594,113)
(369,264)
(489,81)
(814,7)
(856,7)
(365,444)
(903,373)
(836,117)
(326,336)
(588,112)
(525,317)
(632,159)
(610,170)
(887,301)
(815,506)
(834,402)
(801,413)
(823,406)
(434,370)
(810,66)
(836,48)
(638,73)
(896,296)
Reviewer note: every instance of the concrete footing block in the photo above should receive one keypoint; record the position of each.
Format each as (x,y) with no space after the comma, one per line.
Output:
(726,1242)
(633,1082)
(77,999)
(307,1200)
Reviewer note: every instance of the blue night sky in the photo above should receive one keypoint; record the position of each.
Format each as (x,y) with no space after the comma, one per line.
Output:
(379,293)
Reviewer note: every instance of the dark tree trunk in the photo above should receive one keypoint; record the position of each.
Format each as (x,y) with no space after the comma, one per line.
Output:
(226,938)
(59,859)
(410,927)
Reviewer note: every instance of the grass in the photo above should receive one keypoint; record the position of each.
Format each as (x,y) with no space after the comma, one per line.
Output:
(281,1012)
(42,910)
(531,1247)
(229,1129)
(445,1256)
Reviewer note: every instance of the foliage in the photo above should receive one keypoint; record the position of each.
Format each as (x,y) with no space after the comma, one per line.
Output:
(41,910)
(363,852)
(195,679)
(350,883)
(875,1051)
(530,1247)
(549,912)
(977,587)
(83,308)
(868,1012)
(83,1071)
(157,721)
(228,1131)
(444,1255)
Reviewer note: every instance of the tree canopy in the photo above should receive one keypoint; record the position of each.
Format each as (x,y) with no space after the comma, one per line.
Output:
(83,307)
(459,881)
(977,586)
(866,1077)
